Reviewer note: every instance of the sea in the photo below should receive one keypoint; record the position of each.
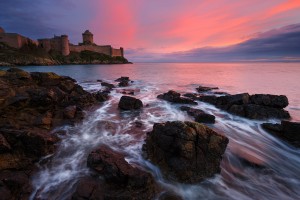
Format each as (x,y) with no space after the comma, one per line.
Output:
(276,174)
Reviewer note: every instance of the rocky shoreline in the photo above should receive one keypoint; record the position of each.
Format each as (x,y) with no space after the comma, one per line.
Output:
(33,104)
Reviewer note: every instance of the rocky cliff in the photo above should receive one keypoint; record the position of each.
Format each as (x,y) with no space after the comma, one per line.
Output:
(33,55)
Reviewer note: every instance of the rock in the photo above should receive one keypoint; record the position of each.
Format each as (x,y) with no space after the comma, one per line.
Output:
(101,96)
(123,179)
(175,97)
(123,83)
(253,111)
(31,106)
(200,115)
(4,145)
(205,89)
(122,78)
(291,130)
(169,196)
(108,85)
(187,152)
(138,124)
(243,105)
(275,101)
(272,127)
(193,96)
(130,103)
(70,111)
(287,131)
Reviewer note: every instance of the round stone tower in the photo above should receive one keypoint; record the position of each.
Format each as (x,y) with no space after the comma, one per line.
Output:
(2,30)
(65,48)
(87,37)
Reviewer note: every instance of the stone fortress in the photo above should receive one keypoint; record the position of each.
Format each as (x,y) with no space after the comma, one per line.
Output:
(60,44)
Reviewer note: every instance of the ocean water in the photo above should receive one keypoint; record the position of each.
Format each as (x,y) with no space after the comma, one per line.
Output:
(279,178)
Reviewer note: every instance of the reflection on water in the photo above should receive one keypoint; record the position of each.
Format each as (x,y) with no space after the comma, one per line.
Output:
(255,165)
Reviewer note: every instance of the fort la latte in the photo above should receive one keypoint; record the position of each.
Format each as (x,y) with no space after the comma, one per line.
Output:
(60,43)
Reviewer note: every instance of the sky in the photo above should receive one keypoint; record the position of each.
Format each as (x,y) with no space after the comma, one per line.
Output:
(167,30)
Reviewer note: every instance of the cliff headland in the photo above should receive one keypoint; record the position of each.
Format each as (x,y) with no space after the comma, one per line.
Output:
(17,50)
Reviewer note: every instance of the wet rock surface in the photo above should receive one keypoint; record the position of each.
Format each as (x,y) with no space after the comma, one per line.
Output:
(130,103)
(199,115)
(186,152)
(287,131)
(31,105)
(121,180)
(205,89)
(175,97)
(257,106)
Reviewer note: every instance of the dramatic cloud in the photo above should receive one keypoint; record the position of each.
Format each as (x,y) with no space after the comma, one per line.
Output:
(152,29)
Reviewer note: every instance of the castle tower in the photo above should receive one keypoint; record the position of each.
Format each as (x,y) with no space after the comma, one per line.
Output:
(87,37)
(2,30)
(65,48)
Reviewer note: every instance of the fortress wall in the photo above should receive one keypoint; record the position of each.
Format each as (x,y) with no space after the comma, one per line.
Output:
(117,52)
(15,40)
(56,44)
(45,44)
(11,39)
(99,49)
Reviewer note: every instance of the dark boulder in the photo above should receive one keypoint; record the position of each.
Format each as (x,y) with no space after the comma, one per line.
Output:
(187,152)
(199,115)
(205,89)
(130,103)
(275,101)
(287,131)
(123,180)
(175,97)
(123,83)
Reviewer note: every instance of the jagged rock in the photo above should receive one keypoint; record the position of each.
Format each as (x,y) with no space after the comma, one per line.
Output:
(187,152)
(130,103)
(205,89)
(121,180)
(287,131)
(275,101)
(253,111)
(199,115)
(175,97)
(31,105)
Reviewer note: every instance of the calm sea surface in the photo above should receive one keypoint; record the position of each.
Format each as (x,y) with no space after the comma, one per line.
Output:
(279,174)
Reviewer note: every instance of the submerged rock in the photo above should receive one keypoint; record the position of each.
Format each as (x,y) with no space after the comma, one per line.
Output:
(130,103)
(199,115)
(187,152)
(175,97)
(287,131)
